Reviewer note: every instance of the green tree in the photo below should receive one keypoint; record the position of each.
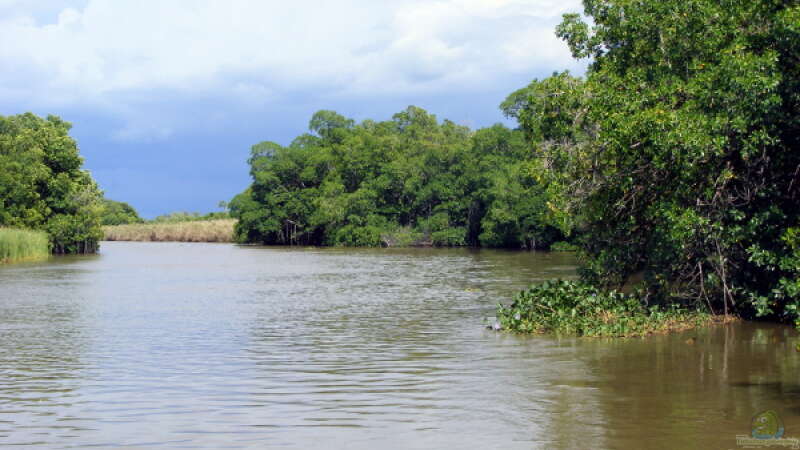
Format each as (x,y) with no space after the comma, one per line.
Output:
(42,185)
(689,171)
(411,180)
(117,213)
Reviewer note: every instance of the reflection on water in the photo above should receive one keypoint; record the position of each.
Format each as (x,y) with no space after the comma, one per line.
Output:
(209,346)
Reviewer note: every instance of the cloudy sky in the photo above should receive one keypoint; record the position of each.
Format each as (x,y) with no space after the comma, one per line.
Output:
(167,96)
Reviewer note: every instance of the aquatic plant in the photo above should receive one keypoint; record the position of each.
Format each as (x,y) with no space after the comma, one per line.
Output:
(23,245)
(577,308)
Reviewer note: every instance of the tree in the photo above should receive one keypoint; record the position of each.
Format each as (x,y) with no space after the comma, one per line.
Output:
(690,176)
(411,180)
(329,124)
(117,213)
(42,185)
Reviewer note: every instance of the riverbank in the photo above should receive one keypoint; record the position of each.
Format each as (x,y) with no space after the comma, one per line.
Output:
(220,230)
(17,245)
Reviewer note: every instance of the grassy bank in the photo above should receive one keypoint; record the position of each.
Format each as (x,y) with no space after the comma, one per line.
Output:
(190,231)
(23,245)
(574,308)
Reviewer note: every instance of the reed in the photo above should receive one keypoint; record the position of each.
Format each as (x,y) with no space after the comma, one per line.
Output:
(194,231)
(23,245)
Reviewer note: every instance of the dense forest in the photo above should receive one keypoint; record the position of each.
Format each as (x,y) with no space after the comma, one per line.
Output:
(411,180)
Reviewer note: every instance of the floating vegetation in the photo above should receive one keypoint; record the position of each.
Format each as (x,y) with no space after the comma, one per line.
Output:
(571,307)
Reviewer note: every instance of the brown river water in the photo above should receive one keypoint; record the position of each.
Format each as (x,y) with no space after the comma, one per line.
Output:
(166,345)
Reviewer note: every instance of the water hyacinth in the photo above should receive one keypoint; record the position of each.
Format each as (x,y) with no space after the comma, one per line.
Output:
(576,308)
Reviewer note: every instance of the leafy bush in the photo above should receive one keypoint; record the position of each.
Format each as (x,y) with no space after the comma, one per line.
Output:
(74,233)
(577,308)
(358,236)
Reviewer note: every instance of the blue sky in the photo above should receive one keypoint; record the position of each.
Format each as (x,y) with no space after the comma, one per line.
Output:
(166,97)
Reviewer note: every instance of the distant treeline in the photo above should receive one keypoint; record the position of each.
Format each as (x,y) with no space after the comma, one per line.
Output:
(411,180)
(121,213)
(181,216)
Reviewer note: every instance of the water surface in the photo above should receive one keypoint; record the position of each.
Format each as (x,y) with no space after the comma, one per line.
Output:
(217,346)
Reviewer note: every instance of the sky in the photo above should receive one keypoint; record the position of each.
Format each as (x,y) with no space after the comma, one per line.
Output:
(166,97)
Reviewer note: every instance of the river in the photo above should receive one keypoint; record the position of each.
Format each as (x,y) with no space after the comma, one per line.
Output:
(168,345)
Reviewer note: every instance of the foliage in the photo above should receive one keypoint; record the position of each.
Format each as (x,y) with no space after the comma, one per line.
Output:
(552,113)
(581,309)
(677,157)
(118,213)
(408,181)
(23,245)
(42,186)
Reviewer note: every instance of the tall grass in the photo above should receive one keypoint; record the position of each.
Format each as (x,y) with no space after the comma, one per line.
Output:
(194,231)
(23,245)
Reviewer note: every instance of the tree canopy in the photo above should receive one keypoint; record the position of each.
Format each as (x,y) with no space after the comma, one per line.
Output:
(42,185)
(411,180)
(118,213)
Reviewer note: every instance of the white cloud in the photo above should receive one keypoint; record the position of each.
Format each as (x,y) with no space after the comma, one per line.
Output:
(102,52)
